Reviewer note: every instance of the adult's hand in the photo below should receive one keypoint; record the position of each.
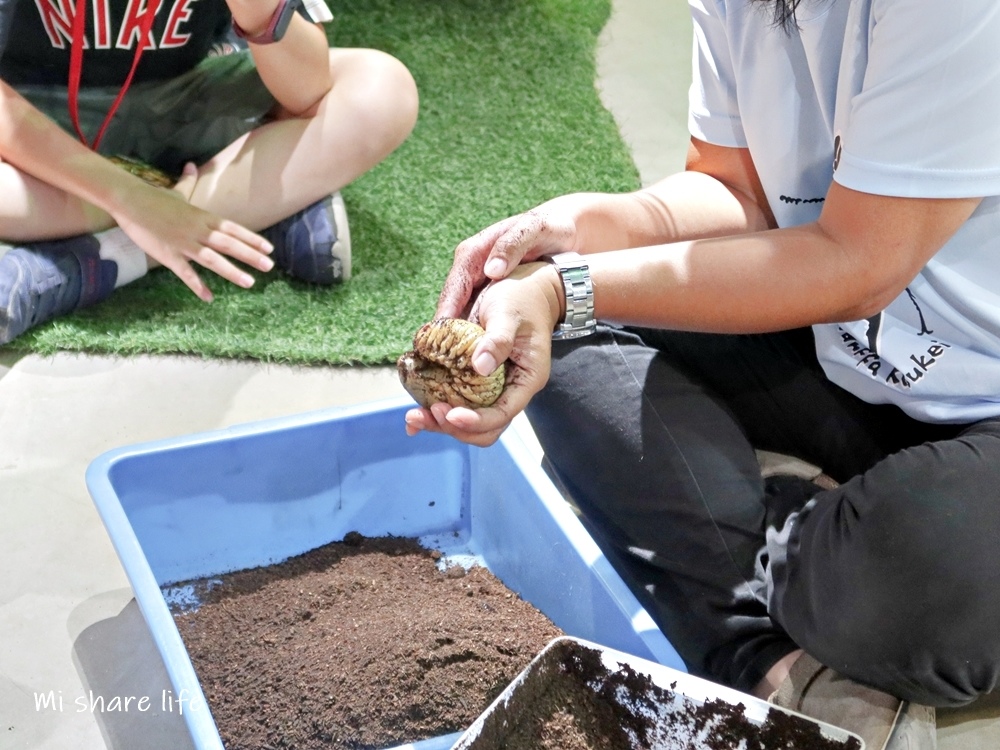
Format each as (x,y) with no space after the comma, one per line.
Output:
(519,314)
(494,252)
(176,234)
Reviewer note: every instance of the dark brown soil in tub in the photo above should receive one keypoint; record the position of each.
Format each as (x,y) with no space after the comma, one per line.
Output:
(359,644)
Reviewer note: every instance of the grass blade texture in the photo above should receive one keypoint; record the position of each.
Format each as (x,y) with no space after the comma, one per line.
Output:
(509,117)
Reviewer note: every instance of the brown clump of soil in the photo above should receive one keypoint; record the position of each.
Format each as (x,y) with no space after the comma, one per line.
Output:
(358,644)
(571,700)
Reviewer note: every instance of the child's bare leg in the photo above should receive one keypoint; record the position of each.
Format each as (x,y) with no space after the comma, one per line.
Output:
(32,210)
(258,180)
(265,175)
(290,163)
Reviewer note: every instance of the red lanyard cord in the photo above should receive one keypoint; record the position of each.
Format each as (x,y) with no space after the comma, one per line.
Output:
(76,68)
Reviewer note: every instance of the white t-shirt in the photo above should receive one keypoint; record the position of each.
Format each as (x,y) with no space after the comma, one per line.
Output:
(904,95)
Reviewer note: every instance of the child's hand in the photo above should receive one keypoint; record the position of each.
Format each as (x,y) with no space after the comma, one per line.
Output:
(174,233)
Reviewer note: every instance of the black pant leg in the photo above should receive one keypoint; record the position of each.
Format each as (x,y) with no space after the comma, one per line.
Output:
(671,487)
(653,432)
(893,577)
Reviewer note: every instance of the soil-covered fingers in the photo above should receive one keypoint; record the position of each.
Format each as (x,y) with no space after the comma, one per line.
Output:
(543,230)
(483,427)
(458,291)
(493,254)
(467,273)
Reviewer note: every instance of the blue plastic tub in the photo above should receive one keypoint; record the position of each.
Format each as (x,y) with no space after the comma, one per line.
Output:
(257,494)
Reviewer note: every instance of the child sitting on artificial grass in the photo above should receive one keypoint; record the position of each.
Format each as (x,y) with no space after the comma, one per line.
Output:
(275,131)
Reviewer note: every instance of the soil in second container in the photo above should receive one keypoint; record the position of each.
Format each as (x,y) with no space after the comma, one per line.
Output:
(571,700)
(364,643)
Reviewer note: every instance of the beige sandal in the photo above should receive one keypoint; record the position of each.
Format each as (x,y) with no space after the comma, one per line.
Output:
(883,721)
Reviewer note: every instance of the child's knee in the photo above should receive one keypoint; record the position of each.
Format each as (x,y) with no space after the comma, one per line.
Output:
(380,93)
(394,101)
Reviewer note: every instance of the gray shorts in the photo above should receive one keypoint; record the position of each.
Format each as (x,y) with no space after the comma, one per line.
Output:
(168,123)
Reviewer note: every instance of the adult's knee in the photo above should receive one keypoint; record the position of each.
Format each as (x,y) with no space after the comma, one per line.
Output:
(894,588)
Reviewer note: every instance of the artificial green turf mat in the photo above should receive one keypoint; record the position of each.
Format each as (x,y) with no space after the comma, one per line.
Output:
(509,117)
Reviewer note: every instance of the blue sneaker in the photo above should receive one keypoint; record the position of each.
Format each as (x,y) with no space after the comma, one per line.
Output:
(48,279)
(314,245)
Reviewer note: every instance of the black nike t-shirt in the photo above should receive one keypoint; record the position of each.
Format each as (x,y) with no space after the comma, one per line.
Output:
(39,36)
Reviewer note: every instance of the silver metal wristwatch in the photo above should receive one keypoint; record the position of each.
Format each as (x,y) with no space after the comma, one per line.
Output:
(575,273)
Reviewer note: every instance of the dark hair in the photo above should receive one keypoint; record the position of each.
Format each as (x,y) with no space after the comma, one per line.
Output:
(783,11)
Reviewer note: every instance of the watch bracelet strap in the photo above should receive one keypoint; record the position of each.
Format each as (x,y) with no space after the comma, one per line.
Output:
(578,286)
(267,35)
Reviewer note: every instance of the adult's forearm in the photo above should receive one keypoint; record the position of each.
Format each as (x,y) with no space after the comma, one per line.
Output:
(765,281)
(850,264)
(685,206)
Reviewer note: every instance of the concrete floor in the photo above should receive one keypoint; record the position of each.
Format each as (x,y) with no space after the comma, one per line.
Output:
(68,623)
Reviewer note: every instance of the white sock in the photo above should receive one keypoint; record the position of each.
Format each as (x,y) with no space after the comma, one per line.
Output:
(116,246)
(119,247)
